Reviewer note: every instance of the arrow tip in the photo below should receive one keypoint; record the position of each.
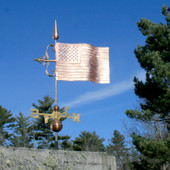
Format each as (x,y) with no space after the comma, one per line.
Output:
(55,33)
(38,60)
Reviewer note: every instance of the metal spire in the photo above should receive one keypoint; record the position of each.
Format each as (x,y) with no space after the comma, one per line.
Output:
(55,33)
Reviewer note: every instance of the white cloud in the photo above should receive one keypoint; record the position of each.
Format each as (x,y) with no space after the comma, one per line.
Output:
(104,93)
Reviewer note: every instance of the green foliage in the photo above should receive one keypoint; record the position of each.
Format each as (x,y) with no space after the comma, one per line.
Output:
(6,123)
(154,93)
(154,153)
(154,57)
(45,106)
(88,141)
(65,143)
(42,132)
(23,132)
(118,148)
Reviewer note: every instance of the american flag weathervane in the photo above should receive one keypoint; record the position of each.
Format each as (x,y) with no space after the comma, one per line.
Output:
(73,62)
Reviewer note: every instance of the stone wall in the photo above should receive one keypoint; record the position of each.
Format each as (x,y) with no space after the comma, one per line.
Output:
(34,159)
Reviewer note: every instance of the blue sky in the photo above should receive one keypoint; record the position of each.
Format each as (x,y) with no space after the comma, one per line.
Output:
(26,29)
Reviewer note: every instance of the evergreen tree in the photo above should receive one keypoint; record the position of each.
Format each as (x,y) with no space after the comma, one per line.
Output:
(42,132)
(6,123)
(133,156)
(88,141)
(23,132)
(154,93)
(65,144)
(118,148)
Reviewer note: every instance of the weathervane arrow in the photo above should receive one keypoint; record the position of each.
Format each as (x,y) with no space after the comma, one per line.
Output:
(46,59)
(39,59)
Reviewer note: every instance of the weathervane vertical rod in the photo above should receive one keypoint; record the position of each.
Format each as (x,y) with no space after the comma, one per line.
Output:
(55,37)
(55,79)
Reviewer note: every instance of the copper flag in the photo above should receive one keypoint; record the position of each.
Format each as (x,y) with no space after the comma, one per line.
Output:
(82,62)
